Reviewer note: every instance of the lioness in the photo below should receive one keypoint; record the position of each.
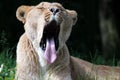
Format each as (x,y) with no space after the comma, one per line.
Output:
(42,53)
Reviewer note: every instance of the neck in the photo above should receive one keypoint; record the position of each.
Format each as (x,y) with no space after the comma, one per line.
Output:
(61,62)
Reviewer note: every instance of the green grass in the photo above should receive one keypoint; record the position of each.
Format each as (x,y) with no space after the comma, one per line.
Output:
(7,64)
(96,58)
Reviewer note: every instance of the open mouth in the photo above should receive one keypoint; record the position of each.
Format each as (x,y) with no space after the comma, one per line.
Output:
(50,31)
(49,42)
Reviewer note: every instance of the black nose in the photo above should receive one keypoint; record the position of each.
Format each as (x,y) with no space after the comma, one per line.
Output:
(54,10)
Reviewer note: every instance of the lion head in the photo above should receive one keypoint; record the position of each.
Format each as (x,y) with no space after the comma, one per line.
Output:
(47,26)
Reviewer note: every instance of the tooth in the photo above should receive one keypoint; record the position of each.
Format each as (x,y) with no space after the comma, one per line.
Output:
(44,45)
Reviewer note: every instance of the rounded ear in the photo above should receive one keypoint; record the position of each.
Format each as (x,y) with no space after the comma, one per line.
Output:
(22,12)
(73,14)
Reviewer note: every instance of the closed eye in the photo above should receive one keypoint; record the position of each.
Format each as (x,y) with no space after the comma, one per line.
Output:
(41,8)
(61,9)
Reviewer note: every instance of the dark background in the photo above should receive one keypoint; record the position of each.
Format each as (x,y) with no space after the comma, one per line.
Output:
(97,30)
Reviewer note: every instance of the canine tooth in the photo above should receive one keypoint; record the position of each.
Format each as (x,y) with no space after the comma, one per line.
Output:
(44,45)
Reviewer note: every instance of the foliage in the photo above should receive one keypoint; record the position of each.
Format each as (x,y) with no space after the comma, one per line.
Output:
(96,58)
(7,65)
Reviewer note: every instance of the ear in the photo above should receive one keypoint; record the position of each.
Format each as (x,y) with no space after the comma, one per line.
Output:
(73,14)
(22,12)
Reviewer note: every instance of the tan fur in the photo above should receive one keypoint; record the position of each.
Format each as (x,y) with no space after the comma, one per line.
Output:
(30,62)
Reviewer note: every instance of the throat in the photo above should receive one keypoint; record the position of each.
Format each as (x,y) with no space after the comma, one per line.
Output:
(61,62)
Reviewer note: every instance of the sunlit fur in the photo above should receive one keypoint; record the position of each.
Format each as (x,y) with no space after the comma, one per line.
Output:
(31,64)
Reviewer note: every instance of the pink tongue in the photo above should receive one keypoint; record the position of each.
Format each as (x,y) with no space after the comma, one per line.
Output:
(50,52)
